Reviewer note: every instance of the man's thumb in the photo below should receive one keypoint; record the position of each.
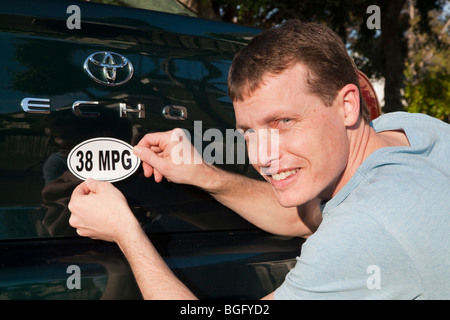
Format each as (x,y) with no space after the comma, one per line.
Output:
(148,156)
(92,184)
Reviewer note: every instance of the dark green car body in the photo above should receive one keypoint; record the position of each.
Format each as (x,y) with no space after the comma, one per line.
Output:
(49,103)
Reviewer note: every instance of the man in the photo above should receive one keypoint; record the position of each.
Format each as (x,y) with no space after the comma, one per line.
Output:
(372,198)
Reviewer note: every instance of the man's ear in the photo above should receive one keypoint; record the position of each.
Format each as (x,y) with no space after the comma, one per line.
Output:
(349,96)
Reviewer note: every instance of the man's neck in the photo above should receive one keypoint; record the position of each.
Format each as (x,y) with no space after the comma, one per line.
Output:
(363,142)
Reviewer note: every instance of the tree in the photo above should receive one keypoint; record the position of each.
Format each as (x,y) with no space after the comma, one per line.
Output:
(427,72)
(378,53)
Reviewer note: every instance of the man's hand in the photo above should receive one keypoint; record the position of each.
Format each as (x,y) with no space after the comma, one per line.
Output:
(100,211)
(171,155)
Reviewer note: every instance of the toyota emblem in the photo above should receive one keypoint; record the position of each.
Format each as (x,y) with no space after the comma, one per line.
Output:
(108,68)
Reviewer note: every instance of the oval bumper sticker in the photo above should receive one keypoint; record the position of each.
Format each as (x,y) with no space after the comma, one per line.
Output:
(105,159)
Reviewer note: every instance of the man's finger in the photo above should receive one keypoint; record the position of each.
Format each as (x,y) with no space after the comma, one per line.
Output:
(151,162)
(92,184)
(81,190)
(148,156)
(158,176)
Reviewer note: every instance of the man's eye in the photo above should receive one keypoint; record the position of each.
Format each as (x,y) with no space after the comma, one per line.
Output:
(249,132)
(286,120)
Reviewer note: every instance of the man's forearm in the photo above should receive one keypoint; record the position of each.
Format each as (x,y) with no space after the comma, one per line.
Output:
(156,280)
(256,202)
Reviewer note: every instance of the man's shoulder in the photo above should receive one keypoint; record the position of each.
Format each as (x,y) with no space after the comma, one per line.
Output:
(425,159)
(395,120)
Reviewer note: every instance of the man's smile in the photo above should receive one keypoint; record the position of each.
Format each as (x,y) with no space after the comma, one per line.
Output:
(282,178)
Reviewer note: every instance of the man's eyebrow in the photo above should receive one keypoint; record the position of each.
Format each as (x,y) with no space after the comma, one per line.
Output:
(240,127)
(272,117)
(267,119)
(276,115)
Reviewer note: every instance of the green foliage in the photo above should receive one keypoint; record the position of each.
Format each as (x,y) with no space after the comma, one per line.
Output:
(427,84)
(427,69)
(431,95)
(171,6)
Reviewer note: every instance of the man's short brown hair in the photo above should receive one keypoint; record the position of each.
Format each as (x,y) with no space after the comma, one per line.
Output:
(273,51)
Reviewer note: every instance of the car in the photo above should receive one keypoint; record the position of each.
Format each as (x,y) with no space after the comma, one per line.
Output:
(78,72)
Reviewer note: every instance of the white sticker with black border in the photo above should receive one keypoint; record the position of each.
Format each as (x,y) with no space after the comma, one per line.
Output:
(104,158)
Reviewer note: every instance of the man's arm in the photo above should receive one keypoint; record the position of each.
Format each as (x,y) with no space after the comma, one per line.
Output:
(254,200)
(100,211)
(155,279)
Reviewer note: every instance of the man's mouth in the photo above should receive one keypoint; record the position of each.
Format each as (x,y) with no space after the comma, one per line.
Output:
(284,174)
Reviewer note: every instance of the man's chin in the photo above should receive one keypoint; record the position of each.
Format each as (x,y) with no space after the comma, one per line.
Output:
(287,201)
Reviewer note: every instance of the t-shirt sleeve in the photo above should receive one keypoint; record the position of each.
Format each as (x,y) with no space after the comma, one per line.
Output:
(350,258)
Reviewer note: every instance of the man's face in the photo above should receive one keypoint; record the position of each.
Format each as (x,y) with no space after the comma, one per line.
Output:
(313,143)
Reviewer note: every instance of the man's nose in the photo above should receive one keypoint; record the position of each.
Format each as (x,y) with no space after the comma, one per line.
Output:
(264,147)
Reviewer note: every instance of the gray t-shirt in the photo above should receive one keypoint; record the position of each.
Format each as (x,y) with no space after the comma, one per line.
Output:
(385,235)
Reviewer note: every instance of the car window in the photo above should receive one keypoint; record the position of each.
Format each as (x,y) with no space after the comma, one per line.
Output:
(169,6)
